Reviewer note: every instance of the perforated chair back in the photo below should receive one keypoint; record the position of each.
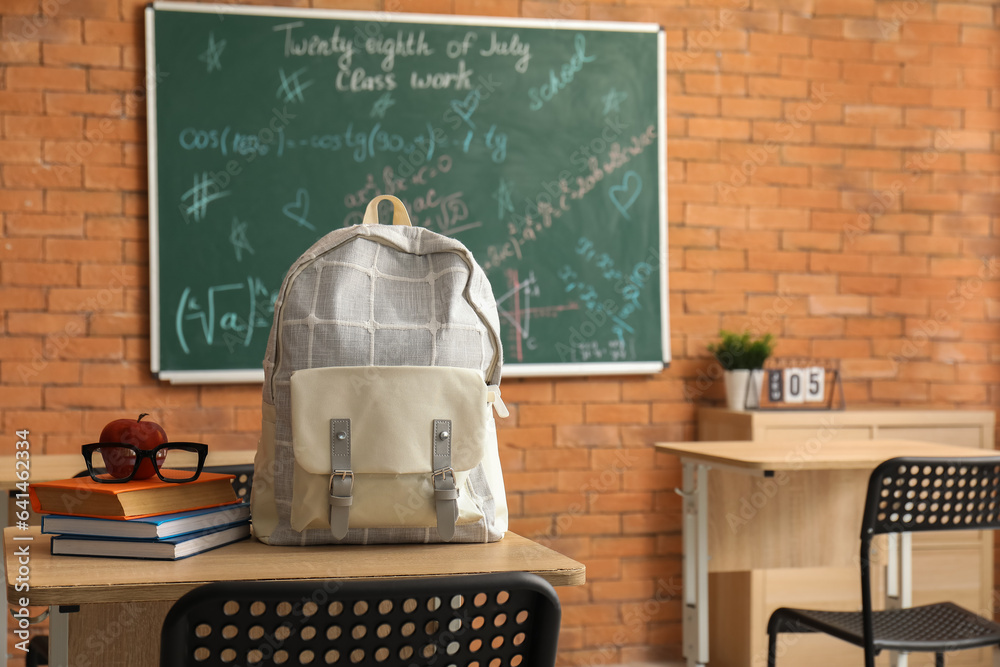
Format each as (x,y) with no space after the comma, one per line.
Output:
(911,494)
(492,620)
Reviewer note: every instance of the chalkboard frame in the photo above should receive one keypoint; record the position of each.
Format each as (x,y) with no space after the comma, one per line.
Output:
(177,376)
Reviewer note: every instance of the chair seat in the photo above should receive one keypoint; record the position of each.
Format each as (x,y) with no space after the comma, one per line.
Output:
(935,627)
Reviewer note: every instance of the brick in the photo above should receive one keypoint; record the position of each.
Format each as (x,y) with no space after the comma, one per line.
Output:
(75,300)
(807,25)
(100,80)
(86,202)
(20,397)
(534,415)
(51,30)
(620,413)
(113,277)
(115,178)
(843,136)
(870,29)
(20,52)
(872,115)
(588,391)
(779,44)
(839,262)
(873,159)
(97,31)
(807,284)
(781,175)
(777,261)
(781,132)
(20,102)
(718,128)
(918,31)
(89,9)
(43,127)
(44,323)
(931,202)
(83,151)
(715,216)
(714,259)
(812,155)
(94,104)
(715,303)
(871,73)
(20,200)
(741,107)
(958,98)
(107,129)
(806,68)
(22,298)
(741,239)
(906,53)
(839,49)
(37,176)
(900,95)
(907,392)
(15,248)
(750,63)
(83,397)
(766,86)
(839,305)
(30,274)
(794,240)
(26,224)
(45,78)
(83,250)
(14,151)
(965,56)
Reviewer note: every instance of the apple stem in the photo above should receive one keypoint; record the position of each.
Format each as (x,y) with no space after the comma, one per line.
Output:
(144,414)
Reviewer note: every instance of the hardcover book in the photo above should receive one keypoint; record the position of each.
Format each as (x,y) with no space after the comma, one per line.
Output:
(156,527)
(82,496)
(173,548)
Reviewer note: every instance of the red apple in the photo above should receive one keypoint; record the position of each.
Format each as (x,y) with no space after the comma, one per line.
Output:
(142,435)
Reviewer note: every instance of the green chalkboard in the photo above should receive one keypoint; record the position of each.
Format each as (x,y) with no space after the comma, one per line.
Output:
(539,145)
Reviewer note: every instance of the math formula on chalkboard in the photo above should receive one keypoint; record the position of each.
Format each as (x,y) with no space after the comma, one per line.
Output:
(538,144)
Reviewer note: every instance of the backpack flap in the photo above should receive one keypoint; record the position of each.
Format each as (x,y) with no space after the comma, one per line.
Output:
(386,446)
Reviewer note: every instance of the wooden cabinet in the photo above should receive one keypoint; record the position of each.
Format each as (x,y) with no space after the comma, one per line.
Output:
(956,566)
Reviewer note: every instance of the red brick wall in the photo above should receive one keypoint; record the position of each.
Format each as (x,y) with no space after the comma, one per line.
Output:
(833,177)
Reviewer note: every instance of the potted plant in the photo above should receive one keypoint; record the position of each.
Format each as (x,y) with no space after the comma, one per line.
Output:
(742,356)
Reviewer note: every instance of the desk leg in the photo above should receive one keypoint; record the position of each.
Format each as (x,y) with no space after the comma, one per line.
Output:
(58,637)
(899,581)
(695,494)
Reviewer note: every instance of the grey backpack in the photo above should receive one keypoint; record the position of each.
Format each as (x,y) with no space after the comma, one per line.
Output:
(381,376)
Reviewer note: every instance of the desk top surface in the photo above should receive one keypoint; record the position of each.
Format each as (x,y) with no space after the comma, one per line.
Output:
(813,454)
(48,467)
(80,580)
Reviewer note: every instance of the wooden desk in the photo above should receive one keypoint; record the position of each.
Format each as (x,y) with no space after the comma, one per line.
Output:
(49,467)
(135,595)
(791,505)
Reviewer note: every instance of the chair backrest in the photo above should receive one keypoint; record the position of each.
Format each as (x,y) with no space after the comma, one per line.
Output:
(486,620)
(911,494)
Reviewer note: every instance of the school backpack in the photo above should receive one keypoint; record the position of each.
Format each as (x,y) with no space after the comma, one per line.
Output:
(381,375)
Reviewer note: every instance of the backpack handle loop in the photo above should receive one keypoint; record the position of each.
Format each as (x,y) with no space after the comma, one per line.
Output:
(399,214)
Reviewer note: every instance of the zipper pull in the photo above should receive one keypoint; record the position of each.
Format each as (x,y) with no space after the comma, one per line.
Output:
(493,396)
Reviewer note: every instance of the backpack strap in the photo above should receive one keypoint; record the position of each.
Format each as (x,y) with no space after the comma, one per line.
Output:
(342,477)
(445,489)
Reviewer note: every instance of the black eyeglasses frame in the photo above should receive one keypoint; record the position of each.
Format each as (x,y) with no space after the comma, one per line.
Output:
(199,448)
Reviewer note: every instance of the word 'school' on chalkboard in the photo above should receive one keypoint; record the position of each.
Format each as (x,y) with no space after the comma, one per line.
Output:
(539,145)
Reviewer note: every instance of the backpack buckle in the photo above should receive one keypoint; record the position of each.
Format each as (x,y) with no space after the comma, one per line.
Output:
(442,472)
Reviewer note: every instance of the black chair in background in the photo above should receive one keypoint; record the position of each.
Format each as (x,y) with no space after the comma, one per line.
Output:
(458,620)
(911,495)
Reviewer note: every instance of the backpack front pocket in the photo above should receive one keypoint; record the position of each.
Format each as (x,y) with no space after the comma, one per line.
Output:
(386,447)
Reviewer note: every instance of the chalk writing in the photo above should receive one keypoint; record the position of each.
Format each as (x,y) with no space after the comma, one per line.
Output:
(624,195)
(402,47)
(393,182)
(460,79)
(512,47)
(291,87)
(238,239)
(201,196)
(504,196)
(613,100)
(382,105)
(298,210)
(541,94)
(220,312)
(315,45)
(617,157)
(212,54)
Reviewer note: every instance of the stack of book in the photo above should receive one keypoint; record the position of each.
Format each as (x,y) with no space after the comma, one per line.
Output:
(142,518)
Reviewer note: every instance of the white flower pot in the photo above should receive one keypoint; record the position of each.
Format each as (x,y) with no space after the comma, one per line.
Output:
(741,383)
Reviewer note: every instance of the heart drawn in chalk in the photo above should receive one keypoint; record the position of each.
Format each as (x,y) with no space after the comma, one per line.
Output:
(467,107)
(624,195)
(298,210)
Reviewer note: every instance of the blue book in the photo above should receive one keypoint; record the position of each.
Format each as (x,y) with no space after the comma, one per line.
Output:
(172,548)
(160,526)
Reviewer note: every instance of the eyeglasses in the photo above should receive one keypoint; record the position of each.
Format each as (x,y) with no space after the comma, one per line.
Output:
(123,462)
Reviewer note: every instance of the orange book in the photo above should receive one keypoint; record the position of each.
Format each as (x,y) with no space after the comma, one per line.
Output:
(82,496)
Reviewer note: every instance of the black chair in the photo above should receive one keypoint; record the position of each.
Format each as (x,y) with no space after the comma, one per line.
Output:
(457,620)
(911,495)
